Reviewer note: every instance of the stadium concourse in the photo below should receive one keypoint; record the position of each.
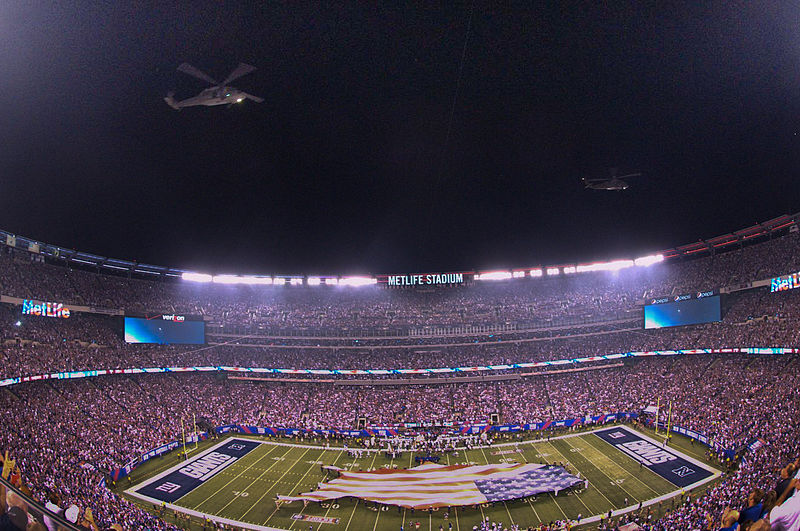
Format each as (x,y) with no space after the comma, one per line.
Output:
(68,436)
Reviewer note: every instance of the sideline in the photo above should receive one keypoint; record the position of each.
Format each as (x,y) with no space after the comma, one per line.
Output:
(260,438)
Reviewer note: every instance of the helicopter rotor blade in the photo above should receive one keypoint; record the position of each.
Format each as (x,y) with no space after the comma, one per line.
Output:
(254,98)
(635,174)
(186,68)
(241,70)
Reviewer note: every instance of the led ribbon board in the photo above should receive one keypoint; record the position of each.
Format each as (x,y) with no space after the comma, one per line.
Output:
(266,370)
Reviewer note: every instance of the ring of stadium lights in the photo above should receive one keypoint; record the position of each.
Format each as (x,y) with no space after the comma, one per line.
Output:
(69,375)
(357,281)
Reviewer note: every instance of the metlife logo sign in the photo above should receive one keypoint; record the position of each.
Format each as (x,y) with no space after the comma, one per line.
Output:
(181,481)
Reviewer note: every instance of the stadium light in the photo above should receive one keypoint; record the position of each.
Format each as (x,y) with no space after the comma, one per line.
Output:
(616,265)
(226,279)
(296,281)
(197,277)
(552,271)
(234,279)
(263,281)
(313,281)
(518,274)
(649,260)
(279,281)
(536,272)
(331,281)
(569,270)
(493,275)
(357,281)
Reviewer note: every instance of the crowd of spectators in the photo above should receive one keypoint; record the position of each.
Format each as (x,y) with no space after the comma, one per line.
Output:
(68,435)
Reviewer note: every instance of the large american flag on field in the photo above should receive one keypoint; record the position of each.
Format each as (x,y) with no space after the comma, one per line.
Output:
(432,485)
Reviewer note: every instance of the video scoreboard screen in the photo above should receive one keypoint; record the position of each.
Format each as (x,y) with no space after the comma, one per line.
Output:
(683,310)
(165,329)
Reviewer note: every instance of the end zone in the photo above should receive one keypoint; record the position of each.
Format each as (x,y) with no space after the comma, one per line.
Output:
(186,476)
(677,468)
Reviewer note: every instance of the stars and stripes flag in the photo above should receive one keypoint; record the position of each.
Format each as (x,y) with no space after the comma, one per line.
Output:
(433,485)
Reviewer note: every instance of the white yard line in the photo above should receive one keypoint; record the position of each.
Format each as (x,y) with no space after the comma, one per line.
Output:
(715,474)
(455,509)
(621,468)
(197,506)
(357,500)
(486,458)
(553,446)
(611,481)
(374,527)
(341,452)
(274,484)
(313,465)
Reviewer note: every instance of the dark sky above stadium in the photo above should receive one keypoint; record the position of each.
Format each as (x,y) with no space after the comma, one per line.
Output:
(369,155)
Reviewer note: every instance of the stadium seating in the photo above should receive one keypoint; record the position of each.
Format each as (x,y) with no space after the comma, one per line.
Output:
(68,435)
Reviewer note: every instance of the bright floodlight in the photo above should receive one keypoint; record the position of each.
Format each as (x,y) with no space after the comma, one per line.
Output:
(536,272)
(494,275)
(649,260)
(518,274)
(552,271)
(616,265)
(197,277)
(234,279)
(569,270)
(226,279)
(332,281)
(357,281)
(313,281)
(263,281)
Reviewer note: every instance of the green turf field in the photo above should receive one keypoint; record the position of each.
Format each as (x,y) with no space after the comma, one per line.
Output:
(245,491)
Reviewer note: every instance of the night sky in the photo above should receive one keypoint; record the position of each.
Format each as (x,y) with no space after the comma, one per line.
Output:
(353,163)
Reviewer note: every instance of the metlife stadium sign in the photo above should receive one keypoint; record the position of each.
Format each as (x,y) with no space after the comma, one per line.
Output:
(785,283)
(45,309)
(425,279)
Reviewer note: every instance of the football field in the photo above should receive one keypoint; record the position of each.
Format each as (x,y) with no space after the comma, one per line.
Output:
(622,466)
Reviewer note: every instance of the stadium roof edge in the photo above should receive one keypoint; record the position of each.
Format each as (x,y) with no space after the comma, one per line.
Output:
(104,264)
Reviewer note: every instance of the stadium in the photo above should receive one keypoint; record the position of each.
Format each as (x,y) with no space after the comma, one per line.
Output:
(353,266)
(558,384)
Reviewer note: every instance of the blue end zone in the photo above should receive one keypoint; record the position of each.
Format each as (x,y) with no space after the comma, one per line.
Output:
(659,459)
(195,472)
